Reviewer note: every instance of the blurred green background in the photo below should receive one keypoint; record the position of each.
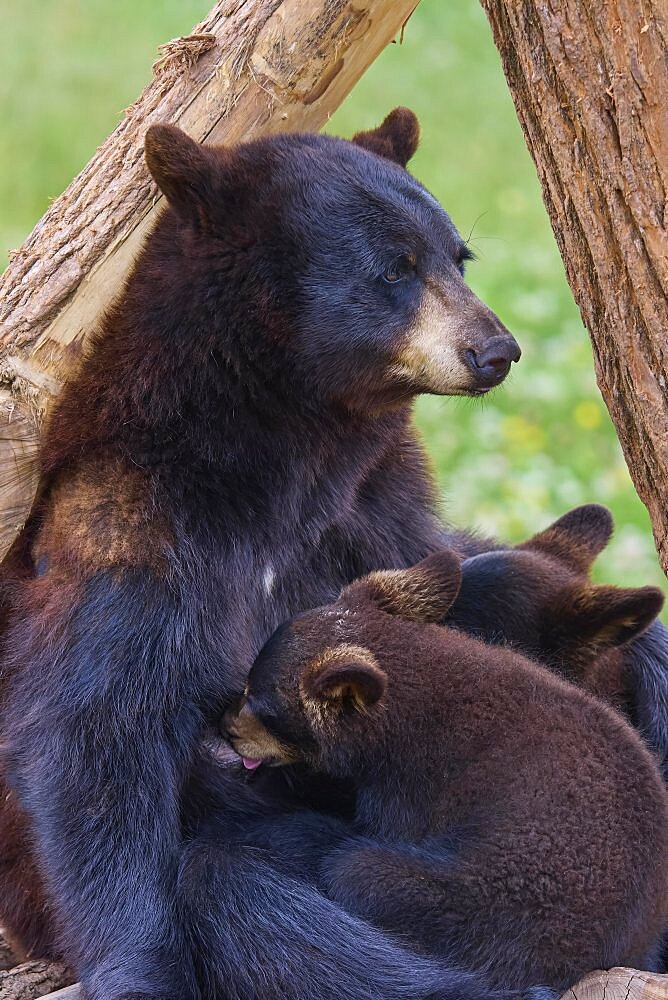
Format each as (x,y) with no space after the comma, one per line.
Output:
(507,464)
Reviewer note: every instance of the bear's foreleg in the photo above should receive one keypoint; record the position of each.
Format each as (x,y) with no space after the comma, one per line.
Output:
(99,735)
(276,938)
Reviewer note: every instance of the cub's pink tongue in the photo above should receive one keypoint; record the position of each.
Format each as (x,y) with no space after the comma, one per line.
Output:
(250,763)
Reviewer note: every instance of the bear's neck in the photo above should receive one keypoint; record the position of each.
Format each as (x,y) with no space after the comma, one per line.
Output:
(413,779)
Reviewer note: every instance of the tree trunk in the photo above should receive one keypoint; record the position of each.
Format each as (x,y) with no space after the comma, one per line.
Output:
(252,67)
(590,83)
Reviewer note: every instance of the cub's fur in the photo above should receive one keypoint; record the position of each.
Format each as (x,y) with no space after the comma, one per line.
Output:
(506,820)
(538,598)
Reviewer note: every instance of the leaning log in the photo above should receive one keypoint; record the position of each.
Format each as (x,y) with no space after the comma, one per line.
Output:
(252,67)
(590,85)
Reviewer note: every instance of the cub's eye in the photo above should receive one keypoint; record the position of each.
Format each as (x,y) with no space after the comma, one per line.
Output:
(400,269)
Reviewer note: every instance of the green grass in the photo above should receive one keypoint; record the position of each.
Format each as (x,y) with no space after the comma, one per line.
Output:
(508,464)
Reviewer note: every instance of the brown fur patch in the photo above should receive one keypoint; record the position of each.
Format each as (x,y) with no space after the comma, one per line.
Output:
(431,354)
(250,738)
(423,593)
(103,516)
(28,923)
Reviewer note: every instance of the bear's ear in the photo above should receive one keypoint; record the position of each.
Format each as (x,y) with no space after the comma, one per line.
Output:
(424,593)
(607,616)
(345,678)
(576,538)
(396,139)
(181,167)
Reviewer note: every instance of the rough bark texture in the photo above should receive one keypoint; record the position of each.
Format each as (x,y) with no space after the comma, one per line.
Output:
(590,85)
(34,979)
(251,67)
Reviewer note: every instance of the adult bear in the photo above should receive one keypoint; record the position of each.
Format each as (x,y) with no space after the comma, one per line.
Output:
(236,446)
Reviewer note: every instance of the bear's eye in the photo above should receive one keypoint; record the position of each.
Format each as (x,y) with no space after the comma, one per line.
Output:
(463,254)
(400,269)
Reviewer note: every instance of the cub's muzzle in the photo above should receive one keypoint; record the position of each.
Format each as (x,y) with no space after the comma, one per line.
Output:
(250,739)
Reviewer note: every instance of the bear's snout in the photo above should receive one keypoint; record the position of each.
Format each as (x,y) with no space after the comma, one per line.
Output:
(456,345)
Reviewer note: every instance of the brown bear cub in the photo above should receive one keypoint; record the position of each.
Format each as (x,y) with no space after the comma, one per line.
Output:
(538,597)
(506,820)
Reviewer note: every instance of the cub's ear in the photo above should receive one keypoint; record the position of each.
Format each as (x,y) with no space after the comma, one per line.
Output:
(424,593)
(343,677)
(396,139)
(576,538)
(181,167)
(608,616)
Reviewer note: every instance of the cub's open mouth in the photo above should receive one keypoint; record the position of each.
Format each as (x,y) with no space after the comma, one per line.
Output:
(251,763)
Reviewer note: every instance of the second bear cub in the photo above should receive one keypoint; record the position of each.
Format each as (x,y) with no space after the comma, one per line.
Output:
(538,597)
(505,819)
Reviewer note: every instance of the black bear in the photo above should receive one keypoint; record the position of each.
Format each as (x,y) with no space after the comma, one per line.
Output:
(538,598)
(506,820)
(236,445)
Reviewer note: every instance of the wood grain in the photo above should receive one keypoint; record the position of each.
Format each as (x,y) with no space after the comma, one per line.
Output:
(620,984)
(33,979)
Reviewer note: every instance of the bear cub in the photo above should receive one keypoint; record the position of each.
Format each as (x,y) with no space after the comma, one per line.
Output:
(506,820)
(538,597)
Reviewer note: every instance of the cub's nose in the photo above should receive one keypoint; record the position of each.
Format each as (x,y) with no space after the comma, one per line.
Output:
(228,727)
(492,363)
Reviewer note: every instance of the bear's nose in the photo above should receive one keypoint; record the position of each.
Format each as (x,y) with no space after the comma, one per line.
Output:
(492,363)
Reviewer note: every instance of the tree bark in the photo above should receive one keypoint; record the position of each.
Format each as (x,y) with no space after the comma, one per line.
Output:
(251,67)
(590,83)
(34,979)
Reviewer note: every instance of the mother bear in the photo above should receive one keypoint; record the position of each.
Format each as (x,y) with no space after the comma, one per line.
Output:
(236,446)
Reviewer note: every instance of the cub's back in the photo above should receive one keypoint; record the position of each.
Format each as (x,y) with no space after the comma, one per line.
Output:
(570,798)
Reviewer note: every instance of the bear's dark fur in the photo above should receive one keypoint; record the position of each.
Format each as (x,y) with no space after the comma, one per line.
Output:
(506,820)
(257,920)
(236,445)
(538,598)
